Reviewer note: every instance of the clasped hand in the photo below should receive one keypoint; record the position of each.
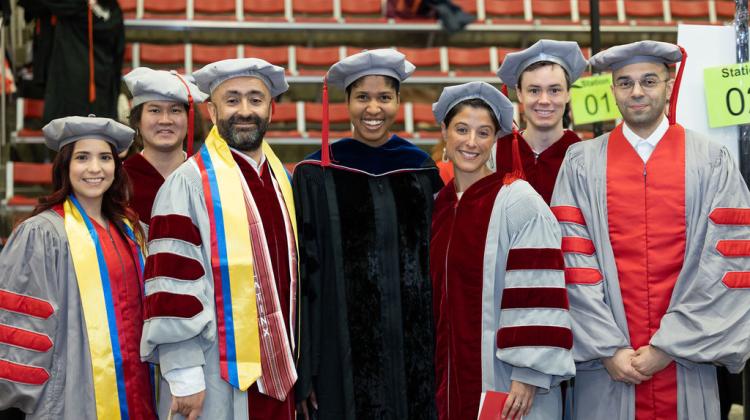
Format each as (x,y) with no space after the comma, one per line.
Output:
(636,366)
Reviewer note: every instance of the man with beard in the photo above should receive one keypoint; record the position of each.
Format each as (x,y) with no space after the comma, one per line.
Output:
(655,220)
(222,267)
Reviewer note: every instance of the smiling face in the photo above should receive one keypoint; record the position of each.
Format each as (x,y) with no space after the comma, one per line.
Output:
(163,125)
(543,91)
(92,170)
(642,108)
(373,103)
(469,137)
(241,108)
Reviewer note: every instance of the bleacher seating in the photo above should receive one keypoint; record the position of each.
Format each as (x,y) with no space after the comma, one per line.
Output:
(25,174)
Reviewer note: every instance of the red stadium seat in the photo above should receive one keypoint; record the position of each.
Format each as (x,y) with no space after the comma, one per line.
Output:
(649,9)
(690,9)
(33,108)
(28,174)
(607,9)
(551,9)
(315,60)
(502,52)
(424,120)
(470,61)
(164,8)
(338,116)
(215,6)
(160,55)
(264,9)
(358,10)
(725,9)
(278,56)
(468,6)
(205,54)
(129,7)
(284,120)
(427,60)
(316,10)
(504,10)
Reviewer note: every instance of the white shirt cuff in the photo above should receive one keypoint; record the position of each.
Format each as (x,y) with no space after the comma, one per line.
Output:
(185,381)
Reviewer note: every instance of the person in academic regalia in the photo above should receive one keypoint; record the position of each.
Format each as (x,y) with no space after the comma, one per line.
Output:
(72,287)
(364,208)
(654,219)
(84,66)
(501,310)
(542,75)
(222,267)
(163,107)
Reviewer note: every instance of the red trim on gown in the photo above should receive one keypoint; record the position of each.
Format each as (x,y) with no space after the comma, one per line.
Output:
(646,208)
(127,296)
(540,172)
(459,231)
(146,181)
(263,407)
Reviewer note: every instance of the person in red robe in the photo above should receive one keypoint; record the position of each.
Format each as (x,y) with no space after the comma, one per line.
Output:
(655,220)
(501,318)
(542,75)
(162,101)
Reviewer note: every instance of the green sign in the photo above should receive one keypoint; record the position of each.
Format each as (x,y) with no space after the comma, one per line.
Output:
(591,100)
(727,94)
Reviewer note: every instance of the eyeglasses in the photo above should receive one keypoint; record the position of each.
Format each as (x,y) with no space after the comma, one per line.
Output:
(646,83)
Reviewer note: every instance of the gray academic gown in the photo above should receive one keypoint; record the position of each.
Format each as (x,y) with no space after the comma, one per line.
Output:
(706,323)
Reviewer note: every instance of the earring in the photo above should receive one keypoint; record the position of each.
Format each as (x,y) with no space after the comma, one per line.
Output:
(445,155)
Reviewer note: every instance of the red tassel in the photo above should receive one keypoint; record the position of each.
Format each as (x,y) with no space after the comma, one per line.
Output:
(504,90)
(92,82)
(191,116)
(676,89)
(517,171)
(325,156)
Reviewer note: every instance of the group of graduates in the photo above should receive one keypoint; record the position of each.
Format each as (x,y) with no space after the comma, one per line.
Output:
(215,285)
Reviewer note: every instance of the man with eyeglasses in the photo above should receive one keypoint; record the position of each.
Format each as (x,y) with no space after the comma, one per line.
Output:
(654,219)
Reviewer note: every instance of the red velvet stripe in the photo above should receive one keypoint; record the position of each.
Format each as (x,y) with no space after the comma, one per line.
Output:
(534,336)
(737,279)
(730,216)
(26,305)
(174,226)
(582,276)
(578,245)
(535,259)
(535,297)
(24,338)
(166,264)
(734,248)
(165,304)
(23,374)
(568,214)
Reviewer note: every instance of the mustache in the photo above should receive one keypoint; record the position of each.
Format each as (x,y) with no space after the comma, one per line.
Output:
(252,119)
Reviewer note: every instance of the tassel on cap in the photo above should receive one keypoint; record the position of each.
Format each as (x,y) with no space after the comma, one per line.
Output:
(191,116)
(676,89)
(92,81)
(517,170)
(325,155)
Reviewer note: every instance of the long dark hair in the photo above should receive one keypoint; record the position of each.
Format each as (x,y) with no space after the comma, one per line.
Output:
(114,203)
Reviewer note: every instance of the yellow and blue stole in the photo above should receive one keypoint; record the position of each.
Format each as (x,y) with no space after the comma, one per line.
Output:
(232,257)
(99,315)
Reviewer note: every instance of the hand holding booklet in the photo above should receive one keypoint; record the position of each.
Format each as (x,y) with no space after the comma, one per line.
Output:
(491,405)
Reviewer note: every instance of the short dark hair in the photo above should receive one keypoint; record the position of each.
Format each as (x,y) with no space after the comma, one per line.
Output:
(540,64)
(474,103)
(390,81)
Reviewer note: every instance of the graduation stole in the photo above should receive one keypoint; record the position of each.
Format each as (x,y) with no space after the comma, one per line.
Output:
(92,275)
(232,262)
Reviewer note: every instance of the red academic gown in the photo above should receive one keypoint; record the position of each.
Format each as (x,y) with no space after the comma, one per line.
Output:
(263,407)
(146,181)
(540,171)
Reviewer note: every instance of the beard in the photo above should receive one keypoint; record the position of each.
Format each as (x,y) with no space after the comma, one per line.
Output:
(245,140)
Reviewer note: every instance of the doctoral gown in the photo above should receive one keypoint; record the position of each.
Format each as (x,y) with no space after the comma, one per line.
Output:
(45,362)
(146,181)
(182,328)
(499,298)
(540,170)
(655,253)
(366,316)
(67,67)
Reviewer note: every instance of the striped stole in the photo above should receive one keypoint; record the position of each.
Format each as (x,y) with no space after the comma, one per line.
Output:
(93,279)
